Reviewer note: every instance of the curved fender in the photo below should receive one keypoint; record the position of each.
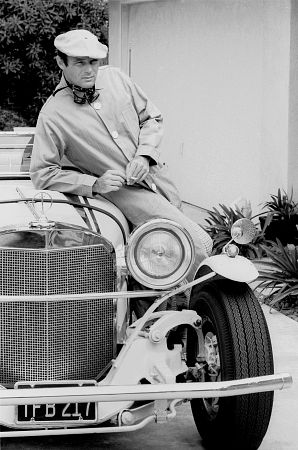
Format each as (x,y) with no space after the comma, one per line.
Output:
(237,268)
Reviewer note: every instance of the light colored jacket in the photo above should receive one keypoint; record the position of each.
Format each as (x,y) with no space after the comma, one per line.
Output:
(107,134)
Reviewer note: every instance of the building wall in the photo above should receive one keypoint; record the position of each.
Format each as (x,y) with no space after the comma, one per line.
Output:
(293,104)
(219,72)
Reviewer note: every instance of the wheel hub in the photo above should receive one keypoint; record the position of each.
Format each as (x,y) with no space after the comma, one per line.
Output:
(212,356)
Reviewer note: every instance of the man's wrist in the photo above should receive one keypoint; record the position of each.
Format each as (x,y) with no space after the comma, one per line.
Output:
(151,161)
(95,189)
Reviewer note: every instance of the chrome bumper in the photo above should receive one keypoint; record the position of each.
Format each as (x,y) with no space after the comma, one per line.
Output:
(101,393)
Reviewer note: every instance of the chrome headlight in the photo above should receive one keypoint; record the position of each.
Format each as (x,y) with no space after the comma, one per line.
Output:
(159,254)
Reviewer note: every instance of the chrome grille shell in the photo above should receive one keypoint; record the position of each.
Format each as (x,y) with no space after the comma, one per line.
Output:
(55,340)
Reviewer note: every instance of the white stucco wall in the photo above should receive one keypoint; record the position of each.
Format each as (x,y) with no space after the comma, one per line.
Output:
(219,71)
(293,103)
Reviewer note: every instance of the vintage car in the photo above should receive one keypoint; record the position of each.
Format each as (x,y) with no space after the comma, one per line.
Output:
(74,359)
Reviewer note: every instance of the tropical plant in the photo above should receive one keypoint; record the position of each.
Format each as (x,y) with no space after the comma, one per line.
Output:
(279,274)
(29,71)
(281,205)
(281,217)
(219,229)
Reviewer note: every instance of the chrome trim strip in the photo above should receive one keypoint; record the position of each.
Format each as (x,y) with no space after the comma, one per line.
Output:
(98,295)
(101,393)
(14,175)
(114,327)
(19,133)
(88,296)
(67,202)
(92,218)
(12,146)
(104,243)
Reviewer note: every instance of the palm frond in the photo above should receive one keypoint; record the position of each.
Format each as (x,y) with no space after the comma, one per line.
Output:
(283,295)
(279,274)
(281,204)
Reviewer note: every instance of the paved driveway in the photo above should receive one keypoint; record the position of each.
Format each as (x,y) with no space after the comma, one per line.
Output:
(282,433)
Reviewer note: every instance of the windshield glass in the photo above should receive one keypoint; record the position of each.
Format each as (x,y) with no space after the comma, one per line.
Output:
(15,153)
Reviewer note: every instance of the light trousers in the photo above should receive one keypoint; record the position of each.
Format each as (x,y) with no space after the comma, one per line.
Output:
(140,205)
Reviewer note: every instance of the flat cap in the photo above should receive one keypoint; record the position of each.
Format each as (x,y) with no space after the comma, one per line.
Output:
(80,43)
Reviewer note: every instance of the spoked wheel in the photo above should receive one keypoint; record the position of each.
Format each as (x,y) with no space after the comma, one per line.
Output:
(234,344)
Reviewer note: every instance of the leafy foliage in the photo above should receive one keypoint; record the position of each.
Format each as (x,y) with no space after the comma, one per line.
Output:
(281,218)
(10,119)
(29,71)
(280,273)
(281,205)
(219,229)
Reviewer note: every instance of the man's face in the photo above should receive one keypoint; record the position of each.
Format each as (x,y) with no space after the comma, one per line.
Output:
(81,71)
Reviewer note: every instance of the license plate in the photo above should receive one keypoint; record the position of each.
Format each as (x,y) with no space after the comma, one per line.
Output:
(56,412)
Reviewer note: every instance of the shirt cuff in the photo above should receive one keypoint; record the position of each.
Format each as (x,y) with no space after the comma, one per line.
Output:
(151,153)
(87,185)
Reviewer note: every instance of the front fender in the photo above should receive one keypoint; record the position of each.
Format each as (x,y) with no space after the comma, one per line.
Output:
(237,268)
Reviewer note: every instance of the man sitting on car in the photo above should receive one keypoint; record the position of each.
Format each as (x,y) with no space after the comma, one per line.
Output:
(107,127)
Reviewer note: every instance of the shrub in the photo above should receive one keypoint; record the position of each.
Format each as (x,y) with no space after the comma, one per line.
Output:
(281,205)
(10,119)
(279,275)
(29,71)
(281,218)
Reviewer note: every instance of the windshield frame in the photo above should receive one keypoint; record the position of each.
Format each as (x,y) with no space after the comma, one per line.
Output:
(16,140)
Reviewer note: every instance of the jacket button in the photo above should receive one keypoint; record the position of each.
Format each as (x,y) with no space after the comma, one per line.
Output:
(97,105)
(115,134)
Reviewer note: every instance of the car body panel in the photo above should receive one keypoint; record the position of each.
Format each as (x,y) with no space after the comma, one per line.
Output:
(19,213)
(141,365)
(235,268)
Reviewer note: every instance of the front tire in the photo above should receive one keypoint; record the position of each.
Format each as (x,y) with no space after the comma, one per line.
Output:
(236,345)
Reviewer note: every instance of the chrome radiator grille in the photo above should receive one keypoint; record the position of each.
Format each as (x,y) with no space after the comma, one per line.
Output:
(71,339)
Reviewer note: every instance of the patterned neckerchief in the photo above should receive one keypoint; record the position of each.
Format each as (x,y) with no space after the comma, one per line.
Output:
(81,95)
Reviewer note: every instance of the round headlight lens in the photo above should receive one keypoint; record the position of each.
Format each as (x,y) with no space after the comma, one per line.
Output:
(160,253)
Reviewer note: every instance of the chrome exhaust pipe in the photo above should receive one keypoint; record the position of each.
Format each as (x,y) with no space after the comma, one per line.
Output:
(102,393)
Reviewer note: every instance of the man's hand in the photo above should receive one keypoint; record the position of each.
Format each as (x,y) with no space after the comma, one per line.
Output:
(111,180)
(137,169)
